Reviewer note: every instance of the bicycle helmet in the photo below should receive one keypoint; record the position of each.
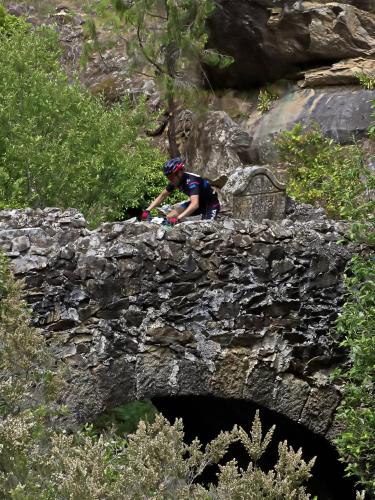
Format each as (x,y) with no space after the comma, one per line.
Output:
(173,166)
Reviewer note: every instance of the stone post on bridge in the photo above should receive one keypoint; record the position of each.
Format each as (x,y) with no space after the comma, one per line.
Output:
(257,194)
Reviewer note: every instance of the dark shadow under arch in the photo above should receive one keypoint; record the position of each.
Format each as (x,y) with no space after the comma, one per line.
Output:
(204,417)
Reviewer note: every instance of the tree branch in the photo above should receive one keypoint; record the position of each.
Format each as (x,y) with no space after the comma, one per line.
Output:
(205,76)
(160,129)
(153,63)
(156,15)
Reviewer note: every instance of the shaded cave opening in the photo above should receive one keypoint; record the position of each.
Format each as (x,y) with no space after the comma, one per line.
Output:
(205,417)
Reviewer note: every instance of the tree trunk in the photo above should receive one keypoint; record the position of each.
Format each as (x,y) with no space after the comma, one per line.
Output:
(171,55)
(173,147)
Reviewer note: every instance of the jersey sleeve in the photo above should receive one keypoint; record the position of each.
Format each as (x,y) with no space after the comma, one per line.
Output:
(170,187)
(192,188)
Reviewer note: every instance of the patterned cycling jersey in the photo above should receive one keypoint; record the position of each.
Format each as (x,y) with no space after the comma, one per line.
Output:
(193,184)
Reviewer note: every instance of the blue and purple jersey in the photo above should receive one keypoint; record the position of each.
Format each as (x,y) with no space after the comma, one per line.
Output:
(192,185)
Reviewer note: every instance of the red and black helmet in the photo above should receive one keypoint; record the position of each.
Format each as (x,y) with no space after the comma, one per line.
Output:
(173,166)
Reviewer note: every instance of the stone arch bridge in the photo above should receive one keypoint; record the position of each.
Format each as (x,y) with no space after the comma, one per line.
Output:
(229,309)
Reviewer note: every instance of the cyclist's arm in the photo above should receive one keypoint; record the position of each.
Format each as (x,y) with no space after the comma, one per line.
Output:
(193,206)
(159,200)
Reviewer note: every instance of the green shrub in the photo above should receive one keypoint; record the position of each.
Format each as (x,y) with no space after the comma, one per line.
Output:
(30,384)
(265,99)
(324,173)
(367,81)
(356,323)
(327,174)
(126,418)
(26,366)
(11,24)
(59,146)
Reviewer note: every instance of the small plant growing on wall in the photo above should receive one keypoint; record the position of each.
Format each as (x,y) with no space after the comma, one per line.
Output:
(265,99)
(367,81)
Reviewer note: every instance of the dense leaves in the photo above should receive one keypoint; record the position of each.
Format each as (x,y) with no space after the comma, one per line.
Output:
(337,177)
(61,147)
(356,324)
(11,24)
(324,173)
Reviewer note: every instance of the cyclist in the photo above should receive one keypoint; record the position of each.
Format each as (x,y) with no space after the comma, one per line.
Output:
(202,198)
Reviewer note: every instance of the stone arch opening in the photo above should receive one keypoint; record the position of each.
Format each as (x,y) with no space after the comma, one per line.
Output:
(205,416)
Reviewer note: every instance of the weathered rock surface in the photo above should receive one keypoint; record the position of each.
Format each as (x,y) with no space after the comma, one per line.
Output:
(255,194)
(341,73)
(230,308)
(217,145)
(342,113)
(265,51)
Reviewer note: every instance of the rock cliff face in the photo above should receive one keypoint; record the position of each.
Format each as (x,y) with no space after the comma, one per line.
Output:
(230,309)
(266,49)
(318,50)
(217,145)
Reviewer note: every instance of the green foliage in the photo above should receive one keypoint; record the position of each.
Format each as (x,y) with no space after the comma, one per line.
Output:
(126,418)
(30,383)
(265,99)
(169,467)
(11,24)
(25,364)
(324,173)
(371,130)
(36,461)
(356,324)
(61,147)
(367,81)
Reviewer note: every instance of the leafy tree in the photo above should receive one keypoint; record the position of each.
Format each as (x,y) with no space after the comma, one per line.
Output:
(356,325)
(166,39)
(61,147)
